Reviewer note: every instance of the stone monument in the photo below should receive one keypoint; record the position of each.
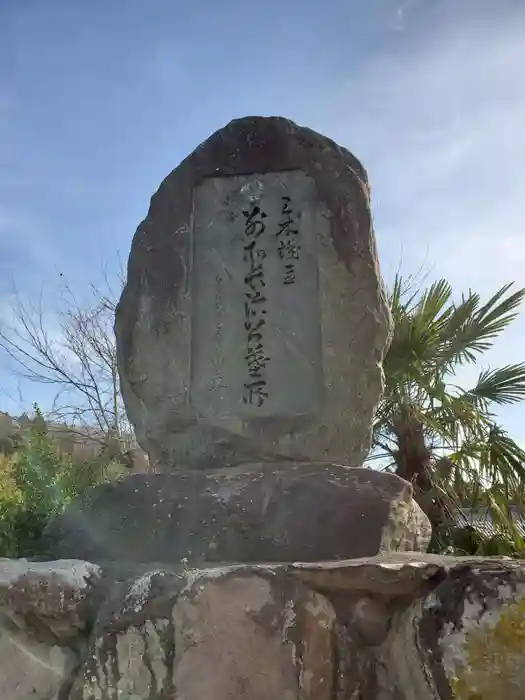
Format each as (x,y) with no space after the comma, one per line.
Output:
(262,561)
(253,322)
(250,336)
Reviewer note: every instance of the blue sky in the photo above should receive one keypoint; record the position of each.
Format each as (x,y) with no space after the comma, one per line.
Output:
(100,100)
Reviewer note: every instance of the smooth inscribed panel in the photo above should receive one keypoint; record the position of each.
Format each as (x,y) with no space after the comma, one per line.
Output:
(256,326)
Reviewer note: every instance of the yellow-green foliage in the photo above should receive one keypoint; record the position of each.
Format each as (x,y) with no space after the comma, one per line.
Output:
(36,484)
(11,501)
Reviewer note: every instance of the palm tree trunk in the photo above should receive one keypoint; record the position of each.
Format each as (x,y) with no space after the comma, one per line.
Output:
(414,464)
(413,458)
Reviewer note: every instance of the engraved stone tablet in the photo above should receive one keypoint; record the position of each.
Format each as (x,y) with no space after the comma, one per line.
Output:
(253,322)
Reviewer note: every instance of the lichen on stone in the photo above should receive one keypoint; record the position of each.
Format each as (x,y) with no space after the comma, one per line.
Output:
(484,659)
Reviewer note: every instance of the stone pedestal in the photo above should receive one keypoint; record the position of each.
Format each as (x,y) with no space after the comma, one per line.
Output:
(252,513)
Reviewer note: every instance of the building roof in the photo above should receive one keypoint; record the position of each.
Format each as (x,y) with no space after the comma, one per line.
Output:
(480,519)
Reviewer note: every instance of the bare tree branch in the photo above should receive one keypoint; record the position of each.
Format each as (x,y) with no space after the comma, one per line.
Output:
(72,350)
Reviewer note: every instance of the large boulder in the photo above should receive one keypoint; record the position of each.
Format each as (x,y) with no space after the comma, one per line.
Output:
(254,322)
(257,513)
(224,636)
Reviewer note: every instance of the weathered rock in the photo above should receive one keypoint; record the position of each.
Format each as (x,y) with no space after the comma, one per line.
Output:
(284,512)
(393,627)
(402,575)
(225,636)
(30,669)
(152,639)
(253,323)
(465,640)
(47,600)
(371,618)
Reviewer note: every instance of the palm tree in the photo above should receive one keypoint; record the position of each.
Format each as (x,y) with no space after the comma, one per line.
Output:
(441,437)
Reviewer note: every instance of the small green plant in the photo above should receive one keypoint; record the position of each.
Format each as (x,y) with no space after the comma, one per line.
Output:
(36,484)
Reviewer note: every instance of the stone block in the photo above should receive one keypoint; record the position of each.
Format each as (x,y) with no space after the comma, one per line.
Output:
(254,513)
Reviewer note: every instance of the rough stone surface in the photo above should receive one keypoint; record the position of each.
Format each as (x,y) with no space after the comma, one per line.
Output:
(256,513)
(465,640)
(225,636)
(321,410)
(30,670)
(406,626)
(48,600)
(401,575)
(371,619)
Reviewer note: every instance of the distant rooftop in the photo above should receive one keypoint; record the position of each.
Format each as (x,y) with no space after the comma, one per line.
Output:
(480,519)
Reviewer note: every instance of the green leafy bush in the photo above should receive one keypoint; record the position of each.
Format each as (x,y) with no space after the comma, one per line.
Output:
(36,484)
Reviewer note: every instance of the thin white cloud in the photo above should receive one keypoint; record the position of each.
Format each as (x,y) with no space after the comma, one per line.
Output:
(438,123)
(403,12)
(440,127)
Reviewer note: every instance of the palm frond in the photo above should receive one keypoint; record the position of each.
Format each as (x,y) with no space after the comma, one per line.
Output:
(483,325)
(501,459)
(505,385)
